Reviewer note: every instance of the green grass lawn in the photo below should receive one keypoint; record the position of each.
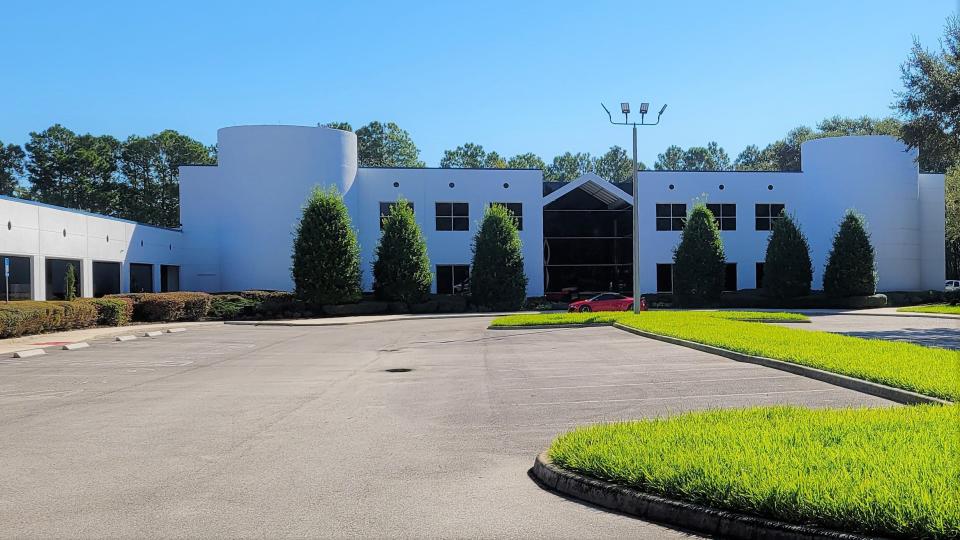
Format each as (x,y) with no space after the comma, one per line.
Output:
(926,370)
(894,472)
(933,308)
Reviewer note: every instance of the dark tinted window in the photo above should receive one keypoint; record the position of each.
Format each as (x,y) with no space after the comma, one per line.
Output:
(664,278)
(516,209)
(671,217)
(452,216)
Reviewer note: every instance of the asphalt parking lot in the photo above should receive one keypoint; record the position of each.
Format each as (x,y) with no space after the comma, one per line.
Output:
(282,431)
(927,331)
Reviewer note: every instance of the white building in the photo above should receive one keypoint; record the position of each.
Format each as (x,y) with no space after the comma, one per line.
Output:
(238,218)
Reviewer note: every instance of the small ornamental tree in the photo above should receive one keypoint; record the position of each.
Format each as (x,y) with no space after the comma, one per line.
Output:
(851,267)
(70,284)
(698,271)
(326,257)
(401,269)
(787,269)
(497,280)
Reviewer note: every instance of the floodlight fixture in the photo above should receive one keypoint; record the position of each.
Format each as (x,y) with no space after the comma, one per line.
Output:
(625,108)
(644,107)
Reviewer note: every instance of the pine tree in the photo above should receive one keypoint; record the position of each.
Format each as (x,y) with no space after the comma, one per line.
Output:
(851,267)
(787,269)
(70,284)
(326,257)
(497,280)
(401,269)
(698,271)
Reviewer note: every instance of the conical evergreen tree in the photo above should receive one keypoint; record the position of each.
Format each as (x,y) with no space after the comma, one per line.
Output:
(787,269)
(401,269)
(497,280)
(326,257)
(698,271)
(851,268)
(70,284)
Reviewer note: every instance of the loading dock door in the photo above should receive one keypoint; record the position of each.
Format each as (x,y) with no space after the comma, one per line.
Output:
(106,278)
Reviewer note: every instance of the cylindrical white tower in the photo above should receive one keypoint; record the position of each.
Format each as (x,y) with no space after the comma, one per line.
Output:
(265,175)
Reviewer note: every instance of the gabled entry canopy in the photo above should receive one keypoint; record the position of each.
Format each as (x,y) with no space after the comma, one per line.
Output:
(598,188)
(587,231)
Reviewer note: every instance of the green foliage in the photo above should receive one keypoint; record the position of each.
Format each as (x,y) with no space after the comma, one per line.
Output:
(527,160)
(944,309)
(150,166)
(952,194)
(466,156)
(70,284)
(696,158)
(386,145)
(112,311)
(230,306)
(931,81)
(885,472)
(698,271)
(31,317)
(568,167)
(11,168)
(170,306)
(401,269)
(787,268)
(326,257)
(497,280)
(926,370)
(616,166)
(851,266)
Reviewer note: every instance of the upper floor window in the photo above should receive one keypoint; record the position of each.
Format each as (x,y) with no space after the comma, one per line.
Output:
(766,214)
(725,215)
(516,209)
(671,217)
(385,210)
(453,216)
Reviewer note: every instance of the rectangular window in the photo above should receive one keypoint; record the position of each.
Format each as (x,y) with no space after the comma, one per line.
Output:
(730,277)
(106,278)
(453,216)
(766,214)
(760,275)
(453,278)
(664,278)
(169,278)
(671,217)
(385,210)
(514,208)
(141,277)
(725,215)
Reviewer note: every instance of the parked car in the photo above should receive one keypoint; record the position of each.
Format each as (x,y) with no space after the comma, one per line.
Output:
(606,302)
(952,285)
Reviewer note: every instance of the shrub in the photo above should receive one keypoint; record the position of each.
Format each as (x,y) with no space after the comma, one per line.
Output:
(698,271)
(230,306)
(401,270)
(952,297)
(851,267)
(112,311)
(497,280)
(32,317)
(172,306)
(787,269)
(70,284)
(326,257)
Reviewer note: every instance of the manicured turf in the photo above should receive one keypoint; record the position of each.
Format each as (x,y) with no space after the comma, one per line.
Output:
(933,308)
(893,472)
(926,370)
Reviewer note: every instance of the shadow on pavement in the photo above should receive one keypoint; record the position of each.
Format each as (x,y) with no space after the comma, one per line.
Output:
(944,338)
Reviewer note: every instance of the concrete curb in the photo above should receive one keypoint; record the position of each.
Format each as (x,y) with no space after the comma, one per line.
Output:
(153,333)
(28,353)
(344,321)
(875,389)
(128,337)
(75,346)
(912,315)
(695,517)
(547,326)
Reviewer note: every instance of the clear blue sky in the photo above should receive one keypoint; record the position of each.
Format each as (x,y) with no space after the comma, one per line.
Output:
(511,77)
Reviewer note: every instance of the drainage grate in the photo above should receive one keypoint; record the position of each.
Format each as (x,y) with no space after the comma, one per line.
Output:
(398,370)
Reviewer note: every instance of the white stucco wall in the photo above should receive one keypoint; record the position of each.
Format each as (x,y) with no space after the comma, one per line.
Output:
(425,187)
(40,231)
(876,176)
(932,223)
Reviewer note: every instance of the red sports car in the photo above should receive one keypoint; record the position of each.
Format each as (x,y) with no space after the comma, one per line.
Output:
(606,302)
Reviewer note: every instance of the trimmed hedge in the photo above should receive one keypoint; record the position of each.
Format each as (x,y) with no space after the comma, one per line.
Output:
(112,311)
(34,317)
(164,307)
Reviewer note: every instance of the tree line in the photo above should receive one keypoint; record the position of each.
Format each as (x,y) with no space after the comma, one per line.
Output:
(135,179)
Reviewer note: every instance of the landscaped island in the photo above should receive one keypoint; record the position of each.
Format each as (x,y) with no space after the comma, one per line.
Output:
(925,370)
(944,309)
(890,472)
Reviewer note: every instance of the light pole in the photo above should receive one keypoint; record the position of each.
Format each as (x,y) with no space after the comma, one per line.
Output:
(625,109)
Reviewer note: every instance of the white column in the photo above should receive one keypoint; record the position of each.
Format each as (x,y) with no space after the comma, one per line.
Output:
(156,277)
(86,278)
(38,283)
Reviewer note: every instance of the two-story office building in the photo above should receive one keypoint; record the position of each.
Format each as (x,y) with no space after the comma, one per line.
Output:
(238,219)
